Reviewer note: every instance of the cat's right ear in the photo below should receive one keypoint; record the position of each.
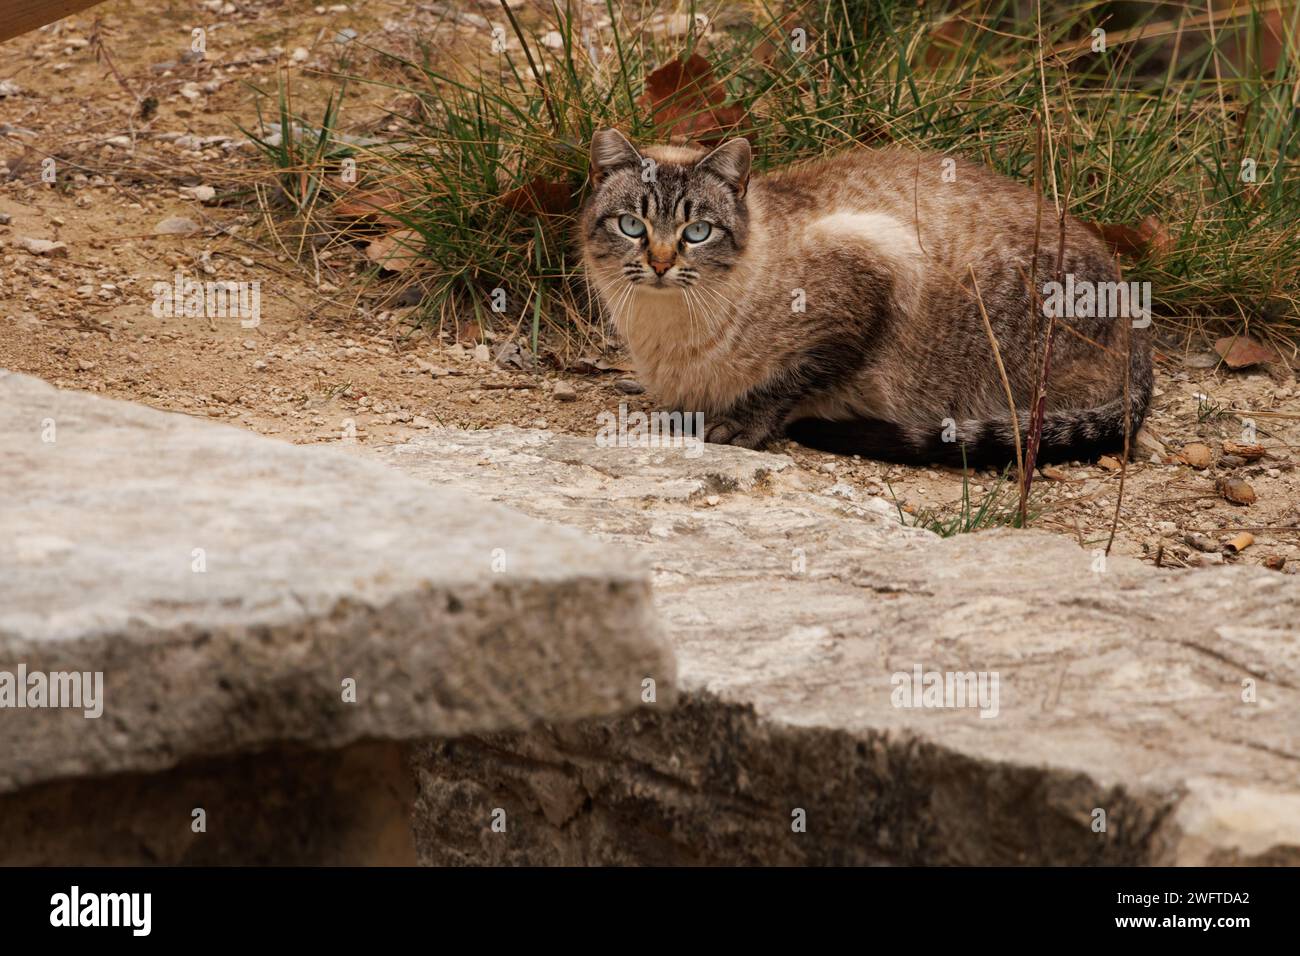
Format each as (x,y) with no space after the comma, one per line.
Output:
(610,150)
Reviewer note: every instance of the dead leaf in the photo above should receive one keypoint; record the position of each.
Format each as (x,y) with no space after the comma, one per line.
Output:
(1258,51)
(1054,473)
(513,355)
(947,40)
(1241,351)
(396,250)
(1148,238)
(1275,562)
(1197,455)
(540,197)
(468,333)
(686,101)
(372,205)
(1109,462)
(777,39)
(1236,491)
(1248,452)
(1240,543)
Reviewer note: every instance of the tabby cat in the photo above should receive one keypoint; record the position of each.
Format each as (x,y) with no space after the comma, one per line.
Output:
(839,302)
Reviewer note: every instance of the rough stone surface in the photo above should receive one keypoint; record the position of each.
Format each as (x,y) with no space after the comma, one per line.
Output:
(1120,688)
(450,614)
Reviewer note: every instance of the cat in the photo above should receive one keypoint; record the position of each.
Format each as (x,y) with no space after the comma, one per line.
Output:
(835,303)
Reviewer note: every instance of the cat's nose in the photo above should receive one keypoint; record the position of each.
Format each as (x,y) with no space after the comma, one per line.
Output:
(661,263)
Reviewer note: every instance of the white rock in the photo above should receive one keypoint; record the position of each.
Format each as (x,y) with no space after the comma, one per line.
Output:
(42,247)
(176,226)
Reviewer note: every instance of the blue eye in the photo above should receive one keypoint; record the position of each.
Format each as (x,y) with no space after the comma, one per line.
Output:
(631,226)
(697,231)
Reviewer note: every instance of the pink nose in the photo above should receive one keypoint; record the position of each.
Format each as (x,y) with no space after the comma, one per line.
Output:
(660,266)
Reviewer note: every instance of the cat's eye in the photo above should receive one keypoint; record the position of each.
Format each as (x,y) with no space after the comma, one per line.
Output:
(631,226)
(697,231)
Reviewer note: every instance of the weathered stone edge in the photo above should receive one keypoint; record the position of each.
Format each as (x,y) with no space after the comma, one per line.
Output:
(713,783)
(168,701)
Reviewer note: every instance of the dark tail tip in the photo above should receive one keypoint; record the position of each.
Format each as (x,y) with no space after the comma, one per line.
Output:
(868,437)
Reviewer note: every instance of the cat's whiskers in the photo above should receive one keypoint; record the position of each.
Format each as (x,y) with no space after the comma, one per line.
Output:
(690,310)
(709,320)
(623,299)
(724,307)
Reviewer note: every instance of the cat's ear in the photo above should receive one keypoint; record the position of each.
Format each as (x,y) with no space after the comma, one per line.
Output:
(610,149)
(731,162)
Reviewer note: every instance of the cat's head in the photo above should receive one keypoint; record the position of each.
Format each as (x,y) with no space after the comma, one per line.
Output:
(665,217)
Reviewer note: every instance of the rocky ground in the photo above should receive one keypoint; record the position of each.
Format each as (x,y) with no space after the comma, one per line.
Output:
(152,178)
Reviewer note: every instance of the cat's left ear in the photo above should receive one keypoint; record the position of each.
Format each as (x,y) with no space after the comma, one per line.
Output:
(731,162)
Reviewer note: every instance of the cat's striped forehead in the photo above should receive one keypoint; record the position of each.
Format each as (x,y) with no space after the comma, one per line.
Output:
(667,190)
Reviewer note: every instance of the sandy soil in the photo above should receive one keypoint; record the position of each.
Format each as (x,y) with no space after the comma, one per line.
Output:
(136,132)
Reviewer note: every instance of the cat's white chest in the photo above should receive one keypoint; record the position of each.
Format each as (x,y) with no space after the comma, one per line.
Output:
(679,348)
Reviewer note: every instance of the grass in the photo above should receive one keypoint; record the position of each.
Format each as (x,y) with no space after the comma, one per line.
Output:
(1158,125)
(1208,410)
(999,507)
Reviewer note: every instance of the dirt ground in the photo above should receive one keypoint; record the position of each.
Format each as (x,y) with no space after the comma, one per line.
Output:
(137,129)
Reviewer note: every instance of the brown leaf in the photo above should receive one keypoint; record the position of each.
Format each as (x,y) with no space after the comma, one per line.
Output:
(373,205)
(777,38)
(686,101)
(540,197)
(396,251)
(947,40)
(1054,473)
(1248,452)
(1109,462)
(1149,237)
(468,333)
(1197,455)
(1241,351)
(1236,491)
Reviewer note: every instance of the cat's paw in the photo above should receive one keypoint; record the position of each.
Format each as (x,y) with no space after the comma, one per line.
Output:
(728,431)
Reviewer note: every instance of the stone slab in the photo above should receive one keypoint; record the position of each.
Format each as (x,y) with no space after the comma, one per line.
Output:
(227,585)
(1167,700)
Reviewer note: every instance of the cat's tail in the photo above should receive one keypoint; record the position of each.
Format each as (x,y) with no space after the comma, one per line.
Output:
(1068,435)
